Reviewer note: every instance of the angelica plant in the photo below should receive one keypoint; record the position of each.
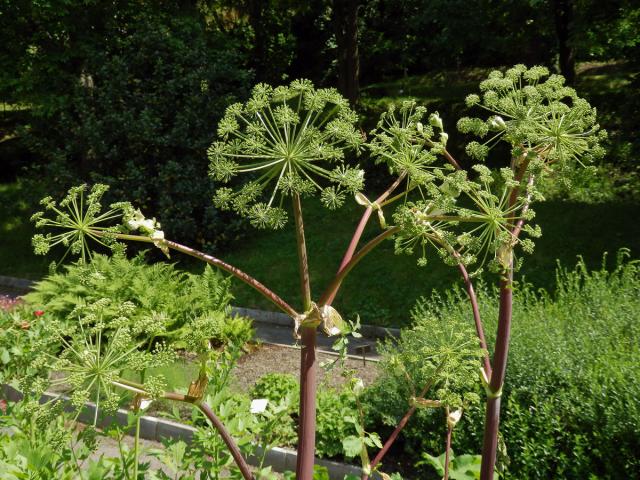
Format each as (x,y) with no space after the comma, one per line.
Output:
(292,142)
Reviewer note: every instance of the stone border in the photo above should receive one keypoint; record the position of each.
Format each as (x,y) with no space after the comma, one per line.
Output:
(17,283)
(157,429)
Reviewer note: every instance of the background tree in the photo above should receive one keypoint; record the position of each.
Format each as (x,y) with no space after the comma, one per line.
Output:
(345,19)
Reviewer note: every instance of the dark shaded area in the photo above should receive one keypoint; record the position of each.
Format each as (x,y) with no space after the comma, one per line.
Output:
(129,93)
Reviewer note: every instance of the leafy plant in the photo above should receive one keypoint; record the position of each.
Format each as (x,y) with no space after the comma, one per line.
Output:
(462,467)
(170,300)
(275,387)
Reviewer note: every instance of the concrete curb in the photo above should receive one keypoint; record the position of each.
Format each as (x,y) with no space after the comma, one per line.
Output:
(17,283)
(157,429)
(283,320)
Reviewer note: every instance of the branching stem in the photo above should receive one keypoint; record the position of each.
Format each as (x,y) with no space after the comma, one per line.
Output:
(216,262)
(355,239)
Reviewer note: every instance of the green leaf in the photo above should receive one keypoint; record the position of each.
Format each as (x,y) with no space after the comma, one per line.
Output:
(352,446)
(5,357)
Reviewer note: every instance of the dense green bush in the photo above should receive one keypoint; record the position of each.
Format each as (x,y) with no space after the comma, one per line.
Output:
(570,400)
(333,407)
(160,293)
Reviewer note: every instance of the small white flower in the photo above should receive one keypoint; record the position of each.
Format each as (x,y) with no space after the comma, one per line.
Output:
(435,121)
(259,405)
(358,386)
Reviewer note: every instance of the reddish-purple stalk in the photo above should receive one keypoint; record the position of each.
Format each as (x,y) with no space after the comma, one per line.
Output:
(211,416)
(476,314)
(228,440)
(334,286)
(357,234)
(308,362)
(401,424)
(501,352)
(447,454)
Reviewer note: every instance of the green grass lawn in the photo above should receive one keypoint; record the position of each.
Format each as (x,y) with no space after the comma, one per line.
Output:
(384,286)
(16,255)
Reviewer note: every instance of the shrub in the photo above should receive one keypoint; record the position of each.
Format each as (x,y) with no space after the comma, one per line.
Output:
(276,386)
(568,406)
(332,427)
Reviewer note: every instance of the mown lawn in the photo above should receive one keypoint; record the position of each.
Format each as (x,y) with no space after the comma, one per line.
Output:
(384,286)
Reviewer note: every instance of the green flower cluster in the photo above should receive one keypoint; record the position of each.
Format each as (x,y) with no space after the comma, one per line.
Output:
(95,351)
(292,139)
(407,146)
(534,115)
(79,218)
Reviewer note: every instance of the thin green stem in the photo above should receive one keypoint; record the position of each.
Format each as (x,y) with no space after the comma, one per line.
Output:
(136,445)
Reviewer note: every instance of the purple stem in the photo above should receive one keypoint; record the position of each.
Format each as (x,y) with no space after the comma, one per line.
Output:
(308,362)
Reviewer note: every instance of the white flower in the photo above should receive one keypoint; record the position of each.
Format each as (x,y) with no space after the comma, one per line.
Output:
(358,386)
(259,405)
(158,240)
(139,222)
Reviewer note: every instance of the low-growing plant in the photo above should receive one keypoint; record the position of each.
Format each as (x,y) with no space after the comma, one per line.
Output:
(162,295)
(554,407)
(293,141)
(21,333)
(276,386)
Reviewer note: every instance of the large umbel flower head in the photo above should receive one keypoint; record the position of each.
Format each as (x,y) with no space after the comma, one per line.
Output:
(292,139)
(538,115)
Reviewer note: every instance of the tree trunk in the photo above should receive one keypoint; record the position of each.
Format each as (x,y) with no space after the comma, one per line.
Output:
(345,19)
(563,13)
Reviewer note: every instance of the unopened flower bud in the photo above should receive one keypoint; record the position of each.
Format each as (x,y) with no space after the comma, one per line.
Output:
(454,417)
(497,123)
(435,120)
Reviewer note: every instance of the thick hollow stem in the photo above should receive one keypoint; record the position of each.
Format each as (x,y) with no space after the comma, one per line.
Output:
(334,286)
(357,234)
(228,440)
(447,455)
(307,415)
(308,362)
(216,262)
(492,417)
(501,353)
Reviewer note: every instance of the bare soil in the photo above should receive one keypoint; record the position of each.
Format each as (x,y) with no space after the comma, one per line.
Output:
(268,358)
